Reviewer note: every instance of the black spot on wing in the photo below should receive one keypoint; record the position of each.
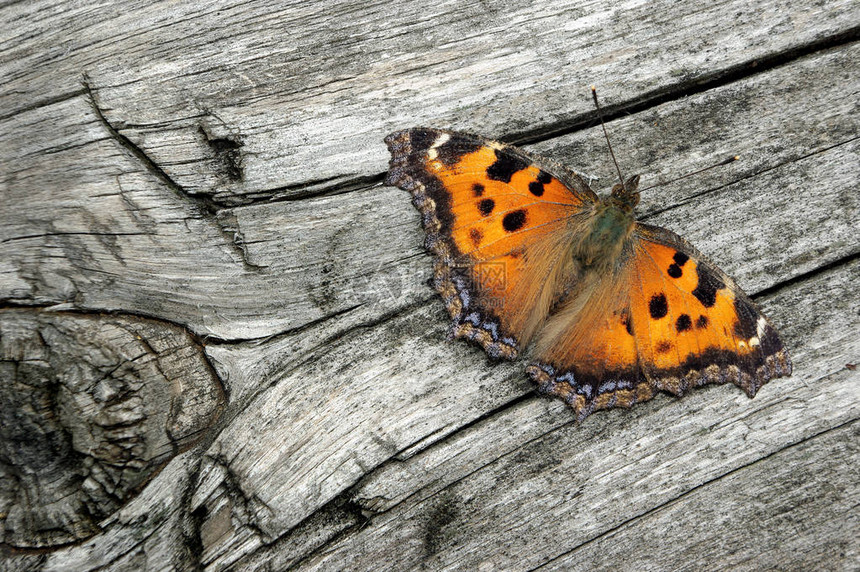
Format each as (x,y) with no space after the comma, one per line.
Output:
(769,341)
(514,221)
(486,206)
(658,306)
(476,236)
(683,323)
(625,319)
(706,289)
(421,139)
(536,186)
(478,189)
(663,347)
(701,322)
(505,166)
(680,259)
(454,149)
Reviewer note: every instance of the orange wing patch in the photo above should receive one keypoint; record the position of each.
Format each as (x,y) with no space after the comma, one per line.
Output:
(494,220)
(497,198)
(587,353)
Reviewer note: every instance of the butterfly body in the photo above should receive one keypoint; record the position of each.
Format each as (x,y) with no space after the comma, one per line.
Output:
(610,227)
(612,310)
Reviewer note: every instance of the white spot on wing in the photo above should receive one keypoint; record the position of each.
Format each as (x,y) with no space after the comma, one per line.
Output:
(760,325)
(432,153)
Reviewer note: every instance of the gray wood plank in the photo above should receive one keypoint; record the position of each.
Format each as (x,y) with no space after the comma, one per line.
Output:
(280,81)
(798,505)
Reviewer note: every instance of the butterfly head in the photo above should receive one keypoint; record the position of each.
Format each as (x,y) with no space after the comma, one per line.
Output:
(626,196)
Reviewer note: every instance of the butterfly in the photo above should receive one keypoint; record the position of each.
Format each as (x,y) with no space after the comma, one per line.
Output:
(611,310)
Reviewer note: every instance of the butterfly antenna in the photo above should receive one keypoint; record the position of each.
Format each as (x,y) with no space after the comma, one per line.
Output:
(605,134)
(720,164)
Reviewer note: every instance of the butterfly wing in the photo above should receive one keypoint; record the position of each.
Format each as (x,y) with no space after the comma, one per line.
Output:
(663,318)
(693,324)
(498,224)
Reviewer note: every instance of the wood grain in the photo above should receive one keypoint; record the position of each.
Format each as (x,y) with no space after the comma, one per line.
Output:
(282,80)
(454,508)
(815,525)
(217,169)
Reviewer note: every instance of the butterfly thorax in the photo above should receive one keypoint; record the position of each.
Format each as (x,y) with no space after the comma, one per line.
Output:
(610,226)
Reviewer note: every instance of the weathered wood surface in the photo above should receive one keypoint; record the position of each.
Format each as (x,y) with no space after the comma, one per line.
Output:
(92,407)
(218,169)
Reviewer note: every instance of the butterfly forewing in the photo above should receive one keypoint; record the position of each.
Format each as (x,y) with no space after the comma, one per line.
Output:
(495,222)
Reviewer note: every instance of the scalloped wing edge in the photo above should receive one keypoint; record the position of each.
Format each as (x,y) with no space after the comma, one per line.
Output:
(403,174)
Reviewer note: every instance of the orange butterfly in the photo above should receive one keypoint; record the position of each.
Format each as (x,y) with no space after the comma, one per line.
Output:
(526,253)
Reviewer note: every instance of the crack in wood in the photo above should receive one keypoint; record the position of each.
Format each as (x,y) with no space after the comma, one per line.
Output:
(191,537)
(341,515)
(50,234)
(695,488)
(227,151)
(611,112)
(207,208)
(319,188)
(788,161)
(249,504)
(45,102)
(680,90)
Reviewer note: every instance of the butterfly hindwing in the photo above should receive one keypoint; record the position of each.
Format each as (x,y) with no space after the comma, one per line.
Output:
(587,354)
(495,220)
